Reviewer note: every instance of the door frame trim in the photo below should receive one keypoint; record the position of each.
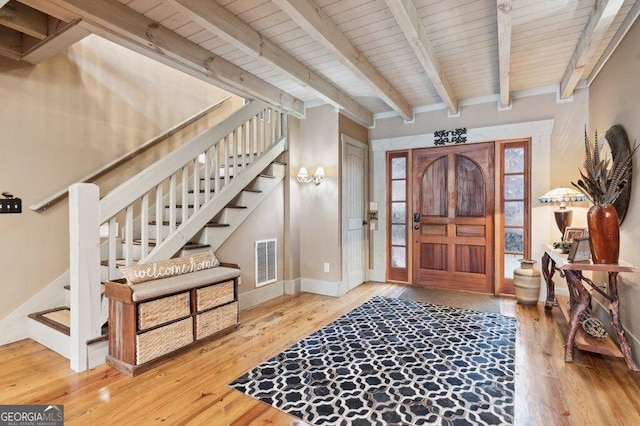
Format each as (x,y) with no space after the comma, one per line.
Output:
(538,131)
(344,140)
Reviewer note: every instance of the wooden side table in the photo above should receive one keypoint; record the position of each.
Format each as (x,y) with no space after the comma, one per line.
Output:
(580,298)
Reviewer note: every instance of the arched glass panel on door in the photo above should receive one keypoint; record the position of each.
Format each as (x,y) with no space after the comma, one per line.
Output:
(434,189)
(469,188)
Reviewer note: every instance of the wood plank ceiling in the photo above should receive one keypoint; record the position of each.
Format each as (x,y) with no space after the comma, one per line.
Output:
(366,57)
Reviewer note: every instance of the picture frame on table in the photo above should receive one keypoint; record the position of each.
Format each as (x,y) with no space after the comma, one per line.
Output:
(580,250)
(571,233)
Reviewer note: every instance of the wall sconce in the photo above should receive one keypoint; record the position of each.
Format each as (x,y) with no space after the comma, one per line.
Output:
(563,196)
(317,178)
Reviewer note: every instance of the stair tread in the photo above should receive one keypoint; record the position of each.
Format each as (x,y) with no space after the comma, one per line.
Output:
(235,206)
(164,222)
(219,177)
(57,318)
(279,162)
(216,225)
(257,191)
(265,175)
(189,245)
(193,246)
(102,287)
(60,320)
(103,338)
(119,262)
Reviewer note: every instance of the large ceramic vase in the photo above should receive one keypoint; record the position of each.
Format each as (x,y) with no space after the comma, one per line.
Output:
(526,282)
(604,233)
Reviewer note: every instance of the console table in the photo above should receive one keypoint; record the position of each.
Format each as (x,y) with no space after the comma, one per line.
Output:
(580,297)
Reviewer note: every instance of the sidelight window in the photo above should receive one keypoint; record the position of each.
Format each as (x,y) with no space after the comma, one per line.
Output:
(514,200)
(397,232)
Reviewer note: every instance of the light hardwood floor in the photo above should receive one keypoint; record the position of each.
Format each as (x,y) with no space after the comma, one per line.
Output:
(192,389)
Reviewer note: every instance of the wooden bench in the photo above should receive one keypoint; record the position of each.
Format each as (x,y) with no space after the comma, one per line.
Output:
(152,322)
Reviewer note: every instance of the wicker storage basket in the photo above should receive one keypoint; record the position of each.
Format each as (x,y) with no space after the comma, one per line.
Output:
(163,310)
(155,343)
(210,322)
(214,295)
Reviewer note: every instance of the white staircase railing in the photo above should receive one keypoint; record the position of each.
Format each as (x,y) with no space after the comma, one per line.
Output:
(218,163)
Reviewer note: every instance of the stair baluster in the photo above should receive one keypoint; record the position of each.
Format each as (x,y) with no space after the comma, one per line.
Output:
(248,136)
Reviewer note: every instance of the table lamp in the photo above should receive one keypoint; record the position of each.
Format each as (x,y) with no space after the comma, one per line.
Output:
(562,196)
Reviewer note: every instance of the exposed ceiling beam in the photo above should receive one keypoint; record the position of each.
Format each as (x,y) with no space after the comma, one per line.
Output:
(623,29)
(407,17)
(601,18)
(3,2)
(10,43)
(67,36)
(504,48)
(126,24)
(217,19)
(317,24)
(24,19)
(50,9)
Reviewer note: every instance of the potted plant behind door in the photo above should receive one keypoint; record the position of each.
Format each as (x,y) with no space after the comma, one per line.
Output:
(602,181)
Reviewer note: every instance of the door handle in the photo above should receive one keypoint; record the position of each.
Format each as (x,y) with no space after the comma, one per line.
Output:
(416,217)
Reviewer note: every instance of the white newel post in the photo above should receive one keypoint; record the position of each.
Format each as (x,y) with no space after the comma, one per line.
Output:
(84,270)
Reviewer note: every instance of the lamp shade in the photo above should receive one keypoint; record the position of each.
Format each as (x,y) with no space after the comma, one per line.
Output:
(562,195)
(303,175)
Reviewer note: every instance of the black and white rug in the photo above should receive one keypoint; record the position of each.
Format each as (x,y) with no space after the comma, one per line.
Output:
(395,362)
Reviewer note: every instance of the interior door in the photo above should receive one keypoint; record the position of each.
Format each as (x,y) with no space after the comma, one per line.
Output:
(354,248)
(453,203)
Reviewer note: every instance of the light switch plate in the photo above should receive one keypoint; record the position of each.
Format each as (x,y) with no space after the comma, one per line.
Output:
(11,205)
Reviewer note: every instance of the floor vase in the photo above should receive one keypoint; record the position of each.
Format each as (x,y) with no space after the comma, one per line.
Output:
(604,233)
(526,282)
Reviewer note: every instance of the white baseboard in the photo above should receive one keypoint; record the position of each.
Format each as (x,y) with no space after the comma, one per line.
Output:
(15,327)
(326,288)
(377,275)
(293,286)
(260,295)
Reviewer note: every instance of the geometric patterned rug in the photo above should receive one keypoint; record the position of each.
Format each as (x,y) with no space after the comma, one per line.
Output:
(395,362)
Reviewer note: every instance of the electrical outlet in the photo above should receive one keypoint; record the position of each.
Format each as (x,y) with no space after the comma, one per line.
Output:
(327,267)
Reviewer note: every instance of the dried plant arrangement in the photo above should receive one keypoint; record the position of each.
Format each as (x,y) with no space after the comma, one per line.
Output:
(603,179)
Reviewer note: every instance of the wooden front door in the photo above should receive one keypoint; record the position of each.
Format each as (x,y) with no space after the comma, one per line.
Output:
(453,203)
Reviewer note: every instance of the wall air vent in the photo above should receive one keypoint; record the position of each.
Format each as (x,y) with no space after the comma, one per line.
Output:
(266,262)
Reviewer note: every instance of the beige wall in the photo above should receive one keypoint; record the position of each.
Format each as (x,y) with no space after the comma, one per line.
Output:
(292,204)
(615,99)
(63,119)
(350,128)
(264,223)
(318,145)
